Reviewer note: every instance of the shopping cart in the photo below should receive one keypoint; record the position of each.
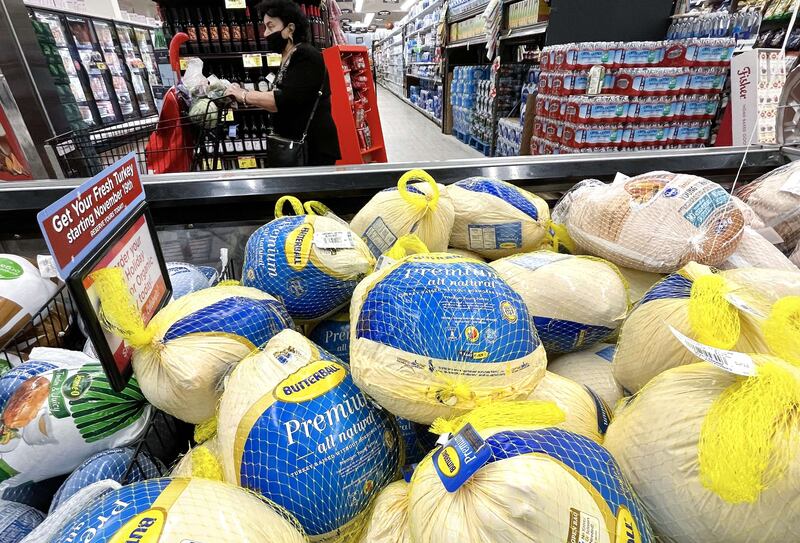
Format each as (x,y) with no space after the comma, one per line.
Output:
(176,141)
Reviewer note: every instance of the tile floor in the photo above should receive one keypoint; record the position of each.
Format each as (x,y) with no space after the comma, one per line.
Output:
(410,137)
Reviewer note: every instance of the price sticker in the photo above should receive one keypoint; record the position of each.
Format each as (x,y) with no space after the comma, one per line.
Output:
(184,63)
(229,116)
(334,240)
(252,60)
(247,162)
(730,361)
(235,4)
(273,59)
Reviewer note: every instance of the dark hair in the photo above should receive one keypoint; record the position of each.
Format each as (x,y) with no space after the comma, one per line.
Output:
(288,12)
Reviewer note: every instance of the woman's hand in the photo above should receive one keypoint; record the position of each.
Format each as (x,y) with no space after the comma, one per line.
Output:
(236,91)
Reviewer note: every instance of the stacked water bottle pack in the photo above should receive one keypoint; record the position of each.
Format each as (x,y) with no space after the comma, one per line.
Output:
(637,96)
(464,98)
(509,136)
(427,96)
(482,120)
(530,86)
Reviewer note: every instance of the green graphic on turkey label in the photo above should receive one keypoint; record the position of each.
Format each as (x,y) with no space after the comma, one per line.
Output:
(9,269)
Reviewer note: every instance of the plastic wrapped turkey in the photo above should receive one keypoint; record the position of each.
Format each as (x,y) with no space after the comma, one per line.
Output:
(655,222)
(496,219)
(423,208)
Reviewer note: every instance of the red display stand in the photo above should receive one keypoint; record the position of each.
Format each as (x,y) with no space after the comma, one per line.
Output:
(354,104)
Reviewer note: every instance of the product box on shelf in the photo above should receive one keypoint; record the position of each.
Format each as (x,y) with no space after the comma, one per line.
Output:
(757,79)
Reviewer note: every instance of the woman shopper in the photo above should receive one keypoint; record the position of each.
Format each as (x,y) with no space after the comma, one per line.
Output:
(296,101)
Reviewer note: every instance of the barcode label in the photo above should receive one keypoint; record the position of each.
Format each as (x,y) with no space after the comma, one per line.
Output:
(730,361)
(334,240)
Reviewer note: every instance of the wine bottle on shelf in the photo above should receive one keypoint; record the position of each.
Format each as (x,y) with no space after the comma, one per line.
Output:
(191,31)
(236,33)
(255,135)
(247,142)
(224,32)
(238,142)
(202,33)
(314,25)
(318,24)
(213,32)
(248,83)
(229,141)
(234,78)
(263,84)
(264,132)
(250,31)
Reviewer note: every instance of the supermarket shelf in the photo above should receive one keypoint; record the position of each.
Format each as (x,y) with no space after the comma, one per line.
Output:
(423,63)
(470,13)
(434,79)
(524,31)
(421,30)
(425,112)
(429,9)
(371,149)
(242,196)
(467,43)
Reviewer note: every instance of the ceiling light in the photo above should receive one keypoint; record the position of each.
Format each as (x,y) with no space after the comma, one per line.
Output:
(368,18)
(378,19)
(346,20)
(359,5)
(384,12)
(347,10)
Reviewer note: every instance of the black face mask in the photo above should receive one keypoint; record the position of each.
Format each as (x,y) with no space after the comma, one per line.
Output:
(276,43)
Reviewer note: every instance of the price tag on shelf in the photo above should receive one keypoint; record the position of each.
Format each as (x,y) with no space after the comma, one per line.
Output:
(235,4)
(247,162)
(184,63)
(229,116)
(273,59)
(252,60)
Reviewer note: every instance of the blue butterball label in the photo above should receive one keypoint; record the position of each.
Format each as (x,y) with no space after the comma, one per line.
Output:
(460,457)
(591,464)
(673,286)
(607,353)
(278,260)
(508,193)
(563,336)
(333,335)
(422,307)
(320,449)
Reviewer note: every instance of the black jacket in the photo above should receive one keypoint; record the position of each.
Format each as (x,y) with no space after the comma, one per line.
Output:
(295,95)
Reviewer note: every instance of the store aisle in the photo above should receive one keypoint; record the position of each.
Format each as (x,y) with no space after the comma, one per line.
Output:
(410,137)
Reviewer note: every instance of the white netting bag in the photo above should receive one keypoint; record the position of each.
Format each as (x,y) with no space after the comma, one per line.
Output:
(655,222)
(434,334)
(575,301)
(181,510)
(187,348)
(592,368)
(712,455)
(495,218)
(540,483)
(388,521)
(423,208)
(293,426)
(23,292)
(775,198)
(310,263)
(705,306)
(755,251)
(55,418)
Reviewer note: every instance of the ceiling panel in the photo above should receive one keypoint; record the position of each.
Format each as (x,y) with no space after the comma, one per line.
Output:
(374,6)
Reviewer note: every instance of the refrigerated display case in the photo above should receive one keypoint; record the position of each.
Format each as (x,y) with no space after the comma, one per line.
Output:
(120,76)
(91,59)
(138,68)
(78,80)
(147,51)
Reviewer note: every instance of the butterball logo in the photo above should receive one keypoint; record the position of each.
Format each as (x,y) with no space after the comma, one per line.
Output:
(627,531)
(310,381)
(146,527)
(298,246)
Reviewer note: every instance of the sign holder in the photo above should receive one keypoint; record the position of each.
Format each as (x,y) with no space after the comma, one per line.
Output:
(116,359)
(105,223)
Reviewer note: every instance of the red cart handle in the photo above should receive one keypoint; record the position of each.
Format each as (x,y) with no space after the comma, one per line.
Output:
(175,52)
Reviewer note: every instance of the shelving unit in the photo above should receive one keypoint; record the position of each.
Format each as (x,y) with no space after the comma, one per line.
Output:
(388,60)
